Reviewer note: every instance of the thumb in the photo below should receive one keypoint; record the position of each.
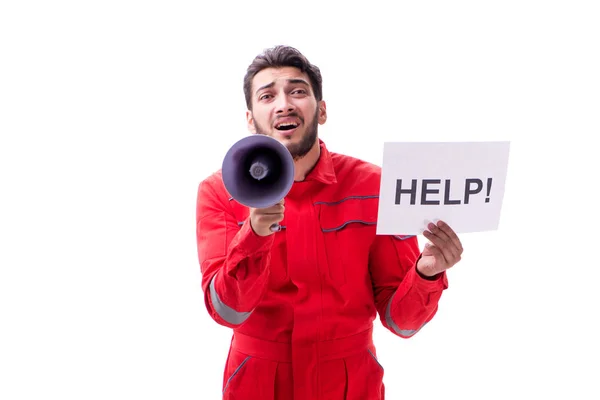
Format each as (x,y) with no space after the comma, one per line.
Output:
(427,249)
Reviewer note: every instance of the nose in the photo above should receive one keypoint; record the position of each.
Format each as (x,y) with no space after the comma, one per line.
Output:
(284,105)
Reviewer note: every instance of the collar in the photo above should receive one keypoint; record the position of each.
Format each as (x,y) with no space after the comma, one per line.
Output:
(323,170)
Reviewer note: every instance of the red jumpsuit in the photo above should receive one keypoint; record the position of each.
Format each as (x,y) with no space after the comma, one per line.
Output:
(302,302)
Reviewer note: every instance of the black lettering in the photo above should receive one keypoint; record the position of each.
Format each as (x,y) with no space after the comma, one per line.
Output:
(447,194)
(489,188)
(400,191)
(425,191)
(469,191)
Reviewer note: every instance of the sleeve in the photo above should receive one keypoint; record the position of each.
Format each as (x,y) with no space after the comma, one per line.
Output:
(405,299)
(234,261)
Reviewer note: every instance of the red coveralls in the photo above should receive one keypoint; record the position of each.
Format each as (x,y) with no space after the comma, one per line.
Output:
(302,301)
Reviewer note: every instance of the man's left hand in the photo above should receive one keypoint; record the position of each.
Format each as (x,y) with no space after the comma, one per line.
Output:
(442,253)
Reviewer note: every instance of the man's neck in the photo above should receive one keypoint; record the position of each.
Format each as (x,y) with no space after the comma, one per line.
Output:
(306,164)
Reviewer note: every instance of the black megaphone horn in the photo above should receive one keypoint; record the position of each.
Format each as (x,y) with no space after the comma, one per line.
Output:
(258,171)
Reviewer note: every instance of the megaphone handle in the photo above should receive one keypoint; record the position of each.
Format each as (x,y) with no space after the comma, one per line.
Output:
(275,228)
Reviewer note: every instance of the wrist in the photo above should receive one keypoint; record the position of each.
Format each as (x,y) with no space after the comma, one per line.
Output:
(428,275)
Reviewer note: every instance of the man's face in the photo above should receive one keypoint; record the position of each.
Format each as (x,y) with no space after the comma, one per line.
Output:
(285,108)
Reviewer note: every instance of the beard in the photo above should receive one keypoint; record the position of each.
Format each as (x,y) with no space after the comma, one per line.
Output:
(300,149)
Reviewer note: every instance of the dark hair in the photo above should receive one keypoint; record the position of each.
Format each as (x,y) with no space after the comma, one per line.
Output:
(282,56)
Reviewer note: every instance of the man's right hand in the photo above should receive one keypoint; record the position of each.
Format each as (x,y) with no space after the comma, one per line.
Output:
(261,219)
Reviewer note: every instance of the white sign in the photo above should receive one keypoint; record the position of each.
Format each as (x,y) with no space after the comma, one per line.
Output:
(460,183)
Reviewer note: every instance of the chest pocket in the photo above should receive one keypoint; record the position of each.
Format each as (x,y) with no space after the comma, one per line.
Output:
(348,227)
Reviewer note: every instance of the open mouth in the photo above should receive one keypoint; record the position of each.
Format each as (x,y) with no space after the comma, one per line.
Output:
(286,126)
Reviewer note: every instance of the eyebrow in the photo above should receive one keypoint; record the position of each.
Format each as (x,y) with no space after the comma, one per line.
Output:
(292,81)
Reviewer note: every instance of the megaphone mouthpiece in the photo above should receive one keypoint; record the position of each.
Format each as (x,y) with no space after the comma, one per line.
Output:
(259,170)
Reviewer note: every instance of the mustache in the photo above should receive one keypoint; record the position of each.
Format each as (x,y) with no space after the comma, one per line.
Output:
(288,116)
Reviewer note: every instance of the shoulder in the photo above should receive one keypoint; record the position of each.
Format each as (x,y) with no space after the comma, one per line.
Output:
(214,180)
(346,163)
(354,171)
(212,187)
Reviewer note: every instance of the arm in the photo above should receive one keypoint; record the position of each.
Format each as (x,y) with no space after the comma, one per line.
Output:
(234,261)
(405,299)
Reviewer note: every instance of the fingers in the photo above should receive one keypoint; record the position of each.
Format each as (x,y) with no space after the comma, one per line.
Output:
(432,250)
(266,220)
(451,234)
(277,208)
(274,209)
(445,240)
(269,213)
(262,219)
(438,246)
(444,232)
(262,223)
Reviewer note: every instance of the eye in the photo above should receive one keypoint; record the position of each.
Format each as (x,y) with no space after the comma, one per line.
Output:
(264,97)
(299,91)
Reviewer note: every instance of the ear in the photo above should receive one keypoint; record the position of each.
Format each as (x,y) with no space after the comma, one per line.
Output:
(250,121)
(322,112)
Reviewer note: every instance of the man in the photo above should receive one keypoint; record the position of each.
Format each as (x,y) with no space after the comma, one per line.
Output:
(301,301)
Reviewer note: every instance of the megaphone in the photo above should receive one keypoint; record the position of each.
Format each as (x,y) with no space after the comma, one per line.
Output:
(258,171)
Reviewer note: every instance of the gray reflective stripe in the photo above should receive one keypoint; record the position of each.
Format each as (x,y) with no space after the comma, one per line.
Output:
(399,237)
(346,223)
(240,223)
(392,324)
(235,372)
(224,311)
(375,358)
(330,203)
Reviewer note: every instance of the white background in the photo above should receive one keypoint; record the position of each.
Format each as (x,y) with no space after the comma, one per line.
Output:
(112,112)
